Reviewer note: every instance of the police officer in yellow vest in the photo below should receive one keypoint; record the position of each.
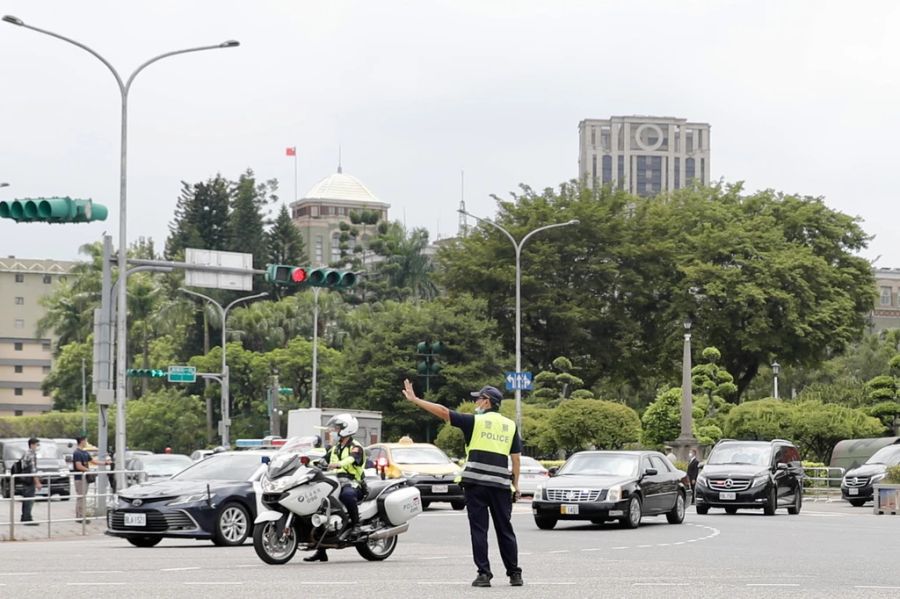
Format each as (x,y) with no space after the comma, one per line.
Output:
(492,441)
(348,457)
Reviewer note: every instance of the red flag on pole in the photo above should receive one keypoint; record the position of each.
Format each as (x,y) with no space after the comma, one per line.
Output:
(291,151)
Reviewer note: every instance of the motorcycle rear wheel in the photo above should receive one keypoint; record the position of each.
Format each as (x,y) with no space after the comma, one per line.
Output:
(375,551)
(271,550)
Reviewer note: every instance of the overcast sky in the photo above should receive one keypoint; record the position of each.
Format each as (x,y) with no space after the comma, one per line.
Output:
(802,97)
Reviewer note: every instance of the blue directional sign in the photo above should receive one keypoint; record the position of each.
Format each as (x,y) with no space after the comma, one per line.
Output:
(518,381)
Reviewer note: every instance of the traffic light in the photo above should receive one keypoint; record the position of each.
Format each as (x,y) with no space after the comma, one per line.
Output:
(428,366)
(146,373)
(52,210)
(293,276)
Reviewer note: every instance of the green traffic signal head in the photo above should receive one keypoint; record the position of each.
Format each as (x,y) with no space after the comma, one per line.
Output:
(53,210)
(437,347)
(347,280)
(422,347)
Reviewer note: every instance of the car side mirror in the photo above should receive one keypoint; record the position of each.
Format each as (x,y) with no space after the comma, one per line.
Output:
(552,471)
(781,466)
(651,472)
(701,465)
(265,459)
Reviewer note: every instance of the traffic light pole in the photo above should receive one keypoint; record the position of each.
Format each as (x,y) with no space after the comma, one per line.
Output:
(518,248)
(315,347)
(225,423)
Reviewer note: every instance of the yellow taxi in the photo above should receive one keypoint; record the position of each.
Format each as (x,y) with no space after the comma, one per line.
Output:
(424,465)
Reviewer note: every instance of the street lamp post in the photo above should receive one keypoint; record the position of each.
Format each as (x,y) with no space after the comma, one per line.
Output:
(121,334)
(223,314)
(776,370)
(518,248)
(686,440)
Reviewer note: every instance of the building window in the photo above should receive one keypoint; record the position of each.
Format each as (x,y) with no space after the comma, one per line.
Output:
(17,391)
(593,170)
(45,345)
(621,170)
(314,211)
(18,368)
(604,138)
(336,247)
(18,412)
(319,249)
(885,296)
(20,278)
(607,169)
(677,173)
(45,369)
(44,393)
(20,301)
(47,279)
(593,136)
(20,323)
(688,170)
(17,346)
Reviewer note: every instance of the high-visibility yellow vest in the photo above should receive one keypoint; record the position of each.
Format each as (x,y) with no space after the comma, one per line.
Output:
(339,454)
(487,454)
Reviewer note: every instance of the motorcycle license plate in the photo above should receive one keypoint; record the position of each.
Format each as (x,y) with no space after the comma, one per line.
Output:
(135,519)
(568,508)
(852,491)
(727,496)
(439,488)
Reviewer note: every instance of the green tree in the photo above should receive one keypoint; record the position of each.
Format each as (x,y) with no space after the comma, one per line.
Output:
(246,220)
(63,383)
(553,386)
(166,418)
(582,423)
(201,217)
(661,421)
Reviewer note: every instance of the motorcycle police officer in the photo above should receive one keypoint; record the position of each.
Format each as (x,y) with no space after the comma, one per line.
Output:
(348,457)
(486,478)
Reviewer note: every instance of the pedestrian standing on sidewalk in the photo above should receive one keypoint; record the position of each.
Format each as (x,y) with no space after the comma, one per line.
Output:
(32,484)
(81,461)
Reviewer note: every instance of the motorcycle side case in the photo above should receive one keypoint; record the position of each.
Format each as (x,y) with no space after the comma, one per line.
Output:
(400,506)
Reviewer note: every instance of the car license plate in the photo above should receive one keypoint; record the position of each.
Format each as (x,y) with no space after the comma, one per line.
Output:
(568,508)
(727,496)
(135,519)
(852,491)
(439,488)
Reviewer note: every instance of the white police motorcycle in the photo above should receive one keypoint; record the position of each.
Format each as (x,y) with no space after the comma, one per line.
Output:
(298,507)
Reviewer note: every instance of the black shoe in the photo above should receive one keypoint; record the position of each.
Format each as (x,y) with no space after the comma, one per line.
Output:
(482,580)
(515,580)
(318,556)
(30,523)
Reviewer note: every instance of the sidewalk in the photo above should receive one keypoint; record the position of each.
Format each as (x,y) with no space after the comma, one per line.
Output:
(61,519)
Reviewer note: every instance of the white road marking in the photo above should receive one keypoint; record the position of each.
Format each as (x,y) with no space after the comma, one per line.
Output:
(213,583)
(18,573)
(101,572)
(593,549)
(89,584)
(180,569)
(772,584)
(560,551)
(660,584)
(875,587)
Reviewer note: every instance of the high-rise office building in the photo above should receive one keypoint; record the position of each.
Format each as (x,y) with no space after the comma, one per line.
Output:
(644,155)
(25,358)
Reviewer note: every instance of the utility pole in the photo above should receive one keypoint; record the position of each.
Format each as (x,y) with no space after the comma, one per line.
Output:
(274,420)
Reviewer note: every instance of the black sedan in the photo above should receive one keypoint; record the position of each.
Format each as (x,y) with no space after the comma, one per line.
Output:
(611,485)
(212,499)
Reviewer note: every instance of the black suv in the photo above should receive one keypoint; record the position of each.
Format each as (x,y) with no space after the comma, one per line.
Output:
(858,484)
(751,474)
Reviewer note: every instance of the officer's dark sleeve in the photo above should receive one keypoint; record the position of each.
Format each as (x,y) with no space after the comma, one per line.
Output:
(464,422)
(516,444)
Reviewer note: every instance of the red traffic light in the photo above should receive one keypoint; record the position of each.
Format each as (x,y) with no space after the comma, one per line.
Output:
(298,275)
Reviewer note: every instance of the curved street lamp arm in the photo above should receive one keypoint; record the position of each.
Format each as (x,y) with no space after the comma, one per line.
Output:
(200,295)
(544,228)
(127,85)
(493,224)
(244,299)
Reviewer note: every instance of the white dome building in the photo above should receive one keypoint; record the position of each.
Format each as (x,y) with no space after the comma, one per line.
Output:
(327,204)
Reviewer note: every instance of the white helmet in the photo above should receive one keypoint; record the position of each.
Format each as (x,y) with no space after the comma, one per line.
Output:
(345,424)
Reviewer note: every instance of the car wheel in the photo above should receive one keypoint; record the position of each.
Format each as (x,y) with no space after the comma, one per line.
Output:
(545,523)
(633,513)
(731,510)
(702,510)
(144,541)
(232,525)
(798,502)
(857,502)
(771,502)
(458,505)
(676,515)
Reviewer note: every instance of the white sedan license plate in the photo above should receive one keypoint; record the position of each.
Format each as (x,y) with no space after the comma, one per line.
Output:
(727,496)
(439,488)
(852,491)
(135,519)
(568,508)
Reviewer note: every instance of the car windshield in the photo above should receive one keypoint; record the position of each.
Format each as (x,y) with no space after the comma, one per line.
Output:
(16,449)
(223,466)
(165,465)
(889,456)
(419,455)
(616,464)
(739,453)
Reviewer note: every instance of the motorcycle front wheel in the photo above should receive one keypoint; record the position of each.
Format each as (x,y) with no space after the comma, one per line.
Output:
(271,548)
(375,551)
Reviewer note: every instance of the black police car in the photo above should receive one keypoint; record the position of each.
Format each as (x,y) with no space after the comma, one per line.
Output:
(751,475)
(211,499)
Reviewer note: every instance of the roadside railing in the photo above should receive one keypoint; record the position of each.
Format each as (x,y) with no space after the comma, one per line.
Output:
(822,483)
(50,481)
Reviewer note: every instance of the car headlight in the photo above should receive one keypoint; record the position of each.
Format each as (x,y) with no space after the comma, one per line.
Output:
(878,477)
(539,492)
(191,498)
(408,473)
(701,481)
(760,480)
(614,493)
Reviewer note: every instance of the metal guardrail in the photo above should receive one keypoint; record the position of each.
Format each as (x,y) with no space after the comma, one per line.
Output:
(822,482)
(93,501)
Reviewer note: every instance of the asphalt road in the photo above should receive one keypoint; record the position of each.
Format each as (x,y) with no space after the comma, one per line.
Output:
(829,550)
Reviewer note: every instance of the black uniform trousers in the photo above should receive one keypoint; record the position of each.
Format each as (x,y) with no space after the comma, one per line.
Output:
(480,500)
